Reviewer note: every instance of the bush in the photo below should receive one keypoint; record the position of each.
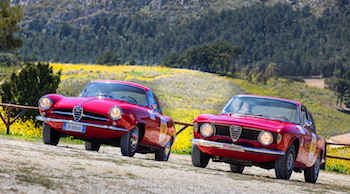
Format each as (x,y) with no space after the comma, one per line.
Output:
(32,82)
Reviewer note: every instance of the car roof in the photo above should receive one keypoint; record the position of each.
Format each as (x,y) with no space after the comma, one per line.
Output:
(270,97)
(125,83)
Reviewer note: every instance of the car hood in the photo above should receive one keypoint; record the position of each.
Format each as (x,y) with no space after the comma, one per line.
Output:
(244,121)
(88,103)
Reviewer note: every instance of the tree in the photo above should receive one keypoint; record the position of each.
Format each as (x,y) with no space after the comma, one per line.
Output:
(26,87)
(108,59)
(132,61)
(9,17)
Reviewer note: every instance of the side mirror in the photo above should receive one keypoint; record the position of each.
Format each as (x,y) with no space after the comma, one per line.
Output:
(307,123)
(154,106)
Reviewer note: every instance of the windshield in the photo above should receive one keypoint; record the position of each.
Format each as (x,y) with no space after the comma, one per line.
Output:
(263,107)
(116,91)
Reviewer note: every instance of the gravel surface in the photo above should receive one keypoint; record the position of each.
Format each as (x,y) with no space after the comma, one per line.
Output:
(32,167)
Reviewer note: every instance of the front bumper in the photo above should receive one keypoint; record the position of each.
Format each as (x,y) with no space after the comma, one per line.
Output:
(233,147)
(39,118)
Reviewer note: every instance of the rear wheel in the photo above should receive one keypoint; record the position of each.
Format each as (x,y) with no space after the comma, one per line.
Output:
(311,174)
(199,159)
(285,164)
(50,136)
(236,168)
(92,146)
(129,142)
(163,153)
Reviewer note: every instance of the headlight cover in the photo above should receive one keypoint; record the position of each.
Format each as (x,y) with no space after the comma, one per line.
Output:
(265,138)
(207,129)
(45,103)
(115,113)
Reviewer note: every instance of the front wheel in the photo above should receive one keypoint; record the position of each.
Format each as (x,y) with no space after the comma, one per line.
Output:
(285,164)
(236,168)
(311,174)
(163,153)
(92,146)
(50,136)
(199,159)
(129,142)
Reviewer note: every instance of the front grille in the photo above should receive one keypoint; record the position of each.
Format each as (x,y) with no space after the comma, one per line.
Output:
(247,133)
(86,116)
(235,132)
(77,113)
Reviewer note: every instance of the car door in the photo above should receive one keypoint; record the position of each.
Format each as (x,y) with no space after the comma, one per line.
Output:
(308,142)
(159,130)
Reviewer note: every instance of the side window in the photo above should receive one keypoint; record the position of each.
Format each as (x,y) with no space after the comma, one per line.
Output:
(303,115)
(152,99)
(156,101)
(311,119)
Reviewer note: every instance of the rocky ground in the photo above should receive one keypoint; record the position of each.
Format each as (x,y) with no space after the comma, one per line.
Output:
(32,167)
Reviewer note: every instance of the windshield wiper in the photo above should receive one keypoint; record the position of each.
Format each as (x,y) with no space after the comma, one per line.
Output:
(254,114)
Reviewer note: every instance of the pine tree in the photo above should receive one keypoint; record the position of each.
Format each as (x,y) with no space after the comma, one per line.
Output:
(9,17)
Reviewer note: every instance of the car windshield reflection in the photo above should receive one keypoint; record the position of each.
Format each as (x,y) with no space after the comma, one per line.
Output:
(263,107)
(116,91)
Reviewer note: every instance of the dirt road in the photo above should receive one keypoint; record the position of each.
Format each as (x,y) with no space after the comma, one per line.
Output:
(32,167)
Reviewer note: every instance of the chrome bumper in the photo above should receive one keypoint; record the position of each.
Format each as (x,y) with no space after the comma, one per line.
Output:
(39,118)
(233,147)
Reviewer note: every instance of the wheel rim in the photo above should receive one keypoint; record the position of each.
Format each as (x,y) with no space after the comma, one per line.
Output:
(290,161)
(134,138)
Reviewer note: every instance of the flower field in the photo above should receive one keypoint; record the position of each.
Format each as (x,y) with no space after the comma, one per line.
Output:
(184,94)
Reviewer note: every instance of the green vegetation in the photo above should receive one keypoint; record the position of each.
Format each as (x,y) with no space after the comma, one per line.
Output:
(9,17)
(26,87)
(299,43)
(217,57)
(108,59)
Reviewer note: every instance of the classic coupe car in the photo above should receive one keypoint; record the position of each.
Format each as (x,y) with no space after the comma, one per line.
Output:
(109,112)
(263,131)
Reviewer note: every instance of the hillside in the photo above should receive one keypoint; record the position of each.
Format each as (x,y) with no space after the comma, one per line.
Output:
(300,43)
(48,13)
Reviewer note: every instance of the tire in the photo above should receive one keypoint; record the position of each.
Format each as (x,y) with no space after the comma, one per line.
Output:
(236,168)
(163,153)
(199,159)
(311,174)
(92,146)
(285,164)
(129,142)
(50,136)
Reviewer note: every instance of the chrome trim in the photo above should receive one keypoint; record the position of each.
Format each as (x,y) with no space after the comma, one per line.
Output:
(39,118)
(83,115)
(234,147)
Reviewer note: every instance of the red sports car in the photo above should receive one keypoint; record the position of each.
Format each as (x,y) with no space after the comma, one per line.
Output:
(109,112)
(263,131)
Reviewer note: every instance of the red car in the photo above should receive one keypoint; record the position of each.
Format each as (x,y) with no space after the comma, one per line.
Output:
(109,112)
(262,131)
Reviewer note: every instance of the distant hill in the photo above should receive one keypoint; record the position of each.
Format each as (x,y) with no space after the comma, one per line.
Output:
(48,13)
(303,38)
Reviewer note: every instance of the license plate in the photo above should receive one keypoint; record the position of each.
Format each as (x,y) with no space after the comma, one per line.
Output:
(74,127)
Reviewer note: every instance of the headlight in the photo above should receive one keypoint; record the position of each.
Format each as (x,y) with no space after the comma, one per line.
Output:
(265,138)
(207,129)
(195,127)
(115,113)
(45,103)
